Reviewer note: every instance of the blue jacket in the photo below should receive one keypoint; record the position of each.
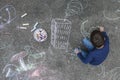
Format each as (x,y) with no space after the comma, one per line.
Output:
(97,56)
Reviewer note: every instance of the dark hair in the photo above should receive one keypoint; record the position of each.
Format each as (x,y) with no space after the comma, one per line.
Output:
(97,38)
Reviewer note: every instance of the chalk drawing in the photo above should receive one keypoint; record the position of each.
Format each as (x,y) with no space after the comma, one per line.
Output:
(11,15)
(84,32)
(113,74)
(60,33)
(111,12)
(27,49)
(37,58)
(10,71)
(41,71)
(84,3)
(109,17)
(74,7)
(19,58)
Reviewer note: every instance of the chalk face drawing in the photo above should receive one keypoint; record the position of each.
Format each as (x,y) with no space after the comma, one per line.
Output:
(60,33)
(7,15)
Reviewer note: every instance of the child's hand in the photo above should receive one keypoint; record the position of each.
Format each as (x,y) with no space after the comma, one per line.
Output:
(76,50)
(101,29)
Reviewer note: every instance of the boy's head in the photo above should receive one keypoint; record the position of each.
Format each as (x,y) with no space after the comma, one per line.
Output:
(97,38)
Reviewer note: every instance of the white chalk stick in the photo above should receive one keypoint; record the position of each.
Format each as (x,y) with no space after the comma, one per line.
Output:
(34,27)
(25,24)
(8,73)
(22,27)
(24,15)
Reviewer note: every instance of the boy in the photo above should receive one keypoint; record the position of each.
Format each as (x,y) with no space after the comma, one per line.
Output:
(97,48)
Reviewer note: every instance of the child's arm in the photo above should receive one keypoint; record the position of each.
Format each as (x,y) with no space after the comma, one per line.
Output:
(104,33)
(85,60)
(106,37)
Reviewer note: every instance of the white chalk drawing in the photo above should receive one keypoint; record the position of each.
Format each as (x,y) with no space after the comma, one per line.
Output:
(19,58)
(85,3)
(10,71)
(14,71)
(37,58)
(74,7)
(7,15)
(60,33)
(84,32)
(111,12)
(109,17)
(113,74)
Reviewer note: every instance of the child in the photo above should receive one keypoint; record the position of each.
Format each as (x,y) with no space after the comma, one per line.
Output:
(97,46)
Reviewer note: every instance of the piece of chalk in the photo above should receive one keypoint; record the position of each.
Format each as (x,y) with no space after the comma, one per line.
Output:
(8,73)
(25,24)
(24,15)
(34,27)
(22,27)
(0,17)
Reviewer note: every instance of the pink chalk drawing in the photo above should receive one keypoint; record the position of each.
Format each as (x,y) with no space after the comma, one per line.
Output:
(19,58)
(35,73)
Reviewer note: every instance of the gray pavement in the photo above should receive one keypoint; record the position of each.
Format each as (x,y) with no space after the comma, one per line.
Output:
(57,64)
